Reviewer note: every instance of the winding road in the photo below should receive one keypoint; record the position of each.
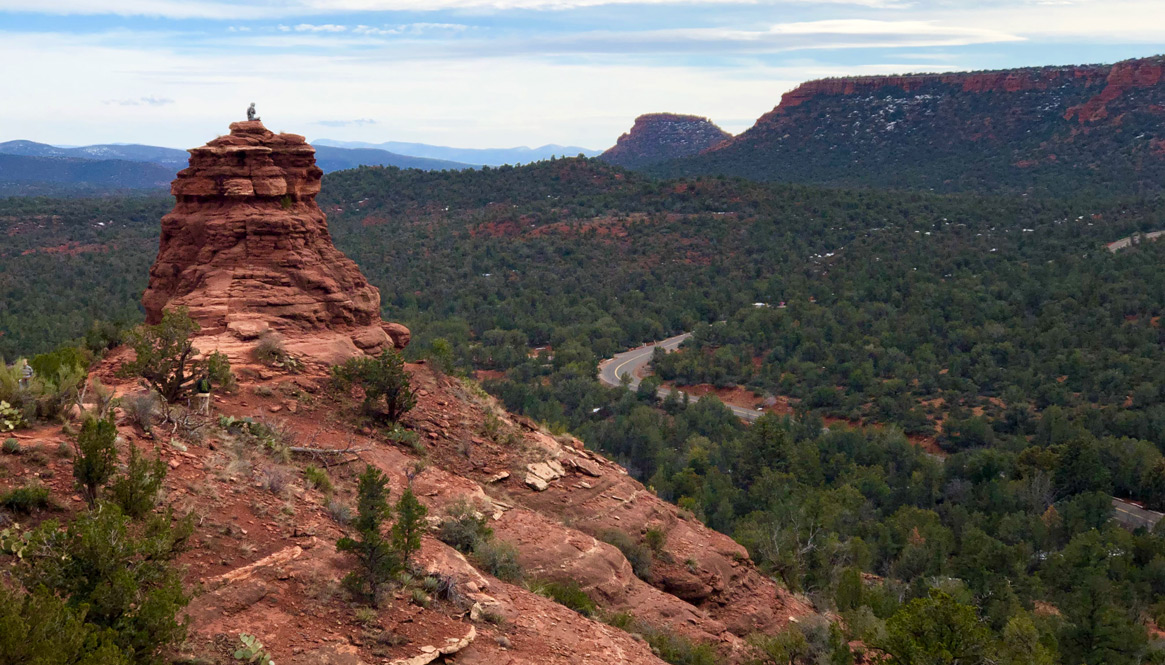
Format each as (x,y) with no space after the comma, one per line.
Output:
(1131,516)
(628,363)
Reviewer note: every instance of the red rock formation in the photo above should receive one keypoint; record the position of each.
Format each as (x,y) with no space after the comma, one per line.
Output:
(1045,129)
(247,250)
(656,137)
(1016,80)
(1123,77)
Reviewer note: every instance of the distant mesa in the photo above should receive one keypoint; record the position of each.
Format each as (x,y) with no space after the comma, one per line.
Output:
(1055,129)
(657,137)
(247,250)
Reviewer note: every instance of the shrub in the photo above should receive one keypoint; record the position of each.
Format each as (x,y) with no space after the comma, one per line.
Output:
(377,561)
(271,352)
(96,457)
(121,571)
(419,597)
(676,649)
(165,357)
(620,620)
(440,355)
(367,616)
(388,393)
(67,359)
(274,479)
(318,478)
(655,538)
(464,527)
(500,559)
(218,370)
(37,456)
(136,490)
(104,399)
(339,512)
(637,554)
(410,524)
(11,447)
(275,436)
(849,589)
(38,627)
(270,349)
(568,594)
(25,499)
(141,409)
(787,646)
(54,393)
(102,336)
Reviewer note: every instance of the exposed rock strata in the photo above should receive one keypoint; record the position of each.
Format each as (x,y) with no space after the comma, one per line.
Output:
(247,250)
(1053,129)
(657,137)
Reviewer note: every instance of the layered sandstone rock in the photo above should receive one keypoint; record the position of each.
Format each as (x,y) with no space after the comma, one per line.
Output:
(247,250)
(657,137)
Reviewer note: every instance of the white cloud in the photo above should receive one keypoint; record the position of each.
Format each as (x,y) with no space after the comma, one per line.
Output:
(359,122)
(141,101)
(329,27)
(216,9)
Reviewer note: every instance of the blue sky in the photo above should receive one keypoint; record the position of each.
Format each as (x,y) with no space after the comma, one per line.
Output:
(494,73)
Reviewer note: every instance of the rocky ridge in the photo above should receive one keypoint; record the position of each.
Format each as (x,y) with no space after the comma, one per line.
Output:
(657,137)
(1055,129)
(247,250)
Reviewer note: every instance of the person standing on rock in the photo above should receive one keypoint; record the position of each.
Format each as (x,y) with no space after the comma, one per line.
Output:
(202,388)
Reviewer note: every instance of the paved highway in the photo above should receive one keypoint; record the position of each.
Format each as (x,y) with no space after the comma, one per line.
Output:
(628,363)
(1133,516)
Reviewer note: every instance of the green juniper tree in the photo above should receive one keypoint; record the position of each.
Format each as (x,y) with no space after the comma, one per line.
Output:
(136,490)
(118,573)
(96,457)
(388,393)
(377,559)
(410,524)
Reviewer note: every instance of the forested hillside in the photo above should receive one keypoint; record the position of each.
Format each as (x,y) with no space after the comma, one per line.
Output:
(1001,326)
(1041,129)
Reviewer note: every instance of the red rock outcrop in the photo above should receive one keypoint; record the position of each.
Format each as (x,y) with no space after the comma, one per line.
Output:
(1007,81)
(1123,77)
(246,250)
(656,137)
(1052,130)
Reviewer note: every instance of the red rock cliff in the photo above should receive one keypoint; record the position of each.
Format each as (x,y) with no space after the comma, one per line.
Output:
(656,137)
(247,250)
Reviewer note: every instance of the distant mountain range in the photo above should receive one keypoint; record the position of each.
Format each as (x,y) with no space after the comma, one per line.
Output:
(25,175)
(127,152)
(31,168)
(330,158)
(477,156)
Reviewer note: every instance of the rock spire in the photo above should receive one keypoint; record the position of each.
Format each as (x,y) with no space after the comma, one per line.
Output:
(247,250)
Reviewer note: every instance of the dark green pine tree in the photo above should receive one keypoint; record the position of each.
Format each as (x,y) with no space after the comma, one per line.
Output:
(96,457)
(410,524)
(377,560)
